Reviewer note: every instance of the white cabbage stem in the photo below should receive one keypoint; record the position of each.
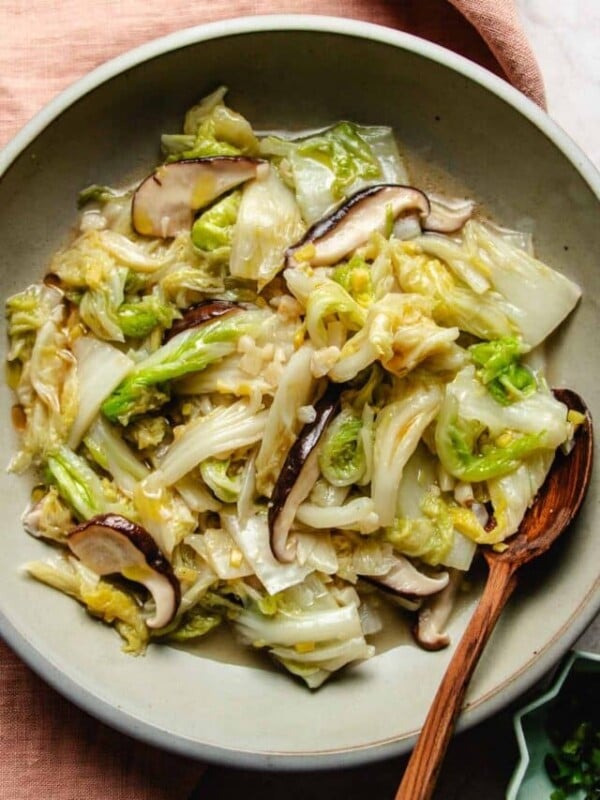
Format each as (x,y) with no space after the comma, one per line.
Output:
(398,430)
(222,432)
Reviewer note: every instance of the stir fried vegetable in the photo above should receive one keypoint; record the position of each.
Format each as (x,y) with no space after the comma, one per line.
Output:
(273,383)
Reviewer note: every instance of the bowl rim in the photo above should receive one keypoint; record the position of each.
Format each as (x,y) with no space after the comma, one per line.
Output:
(320,24)
(235,26)
(554,690)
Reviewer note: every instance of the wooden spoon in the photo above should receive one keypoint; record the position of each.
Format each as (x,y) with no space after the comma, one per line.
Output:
(555,507)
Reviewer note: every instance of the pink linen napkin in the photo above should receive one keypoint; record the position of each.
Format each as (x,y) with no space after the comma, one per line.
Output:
(45,45)
(48,748)
(498,23)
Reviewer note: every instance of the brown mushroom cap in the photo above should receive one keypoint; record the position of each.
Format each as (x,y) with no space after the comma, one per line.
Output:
(164,203)
(199,314)
(109,544)
(353,222)
(299,473)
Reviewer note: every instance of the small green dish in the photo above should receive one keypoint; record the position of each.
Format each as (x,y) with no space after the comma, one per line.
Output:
(530,780)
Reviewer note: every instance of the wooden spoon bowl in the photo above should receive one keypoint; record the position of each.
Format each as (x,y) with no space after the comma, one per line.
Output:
(555,507)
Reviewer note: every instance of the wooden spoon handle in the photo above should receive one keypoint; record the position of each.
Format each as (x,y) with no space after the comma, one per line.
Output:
(422,771)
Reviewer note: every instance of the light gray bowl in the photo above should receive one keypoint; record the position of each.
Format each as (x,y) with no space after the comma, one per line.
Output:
(300,72)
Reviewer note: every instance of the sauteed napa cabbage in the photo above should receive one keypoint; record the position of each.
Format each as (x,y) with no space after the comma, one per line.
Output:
(274,384)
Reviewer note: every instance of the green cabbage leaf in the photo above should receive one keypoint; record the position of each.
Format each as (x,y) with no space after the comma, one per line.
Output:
(478,438)
(77,483)
(211,129)
(355,277)
(146,386)
(217,476)
(213,229)
(534,297)
(428,537)
(43,374)
(333,164)
(500,370)
(99,597)
(267,224)
(399,333)
(329,301)
(341,451)
(485,315)
(196,622)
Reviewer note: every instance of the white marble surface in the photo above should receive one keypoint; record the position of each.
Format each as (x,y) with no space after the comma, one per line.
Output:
(565,36)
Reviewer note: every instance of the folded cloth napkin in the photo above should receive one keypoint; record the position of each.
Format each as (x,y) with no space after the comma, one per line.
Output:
(45,45)
(49,748)
(498,23)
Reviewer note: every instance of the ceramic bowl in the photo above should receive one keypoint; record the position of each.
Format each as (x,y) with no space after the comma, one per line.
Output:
(530,779)
(452,118)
